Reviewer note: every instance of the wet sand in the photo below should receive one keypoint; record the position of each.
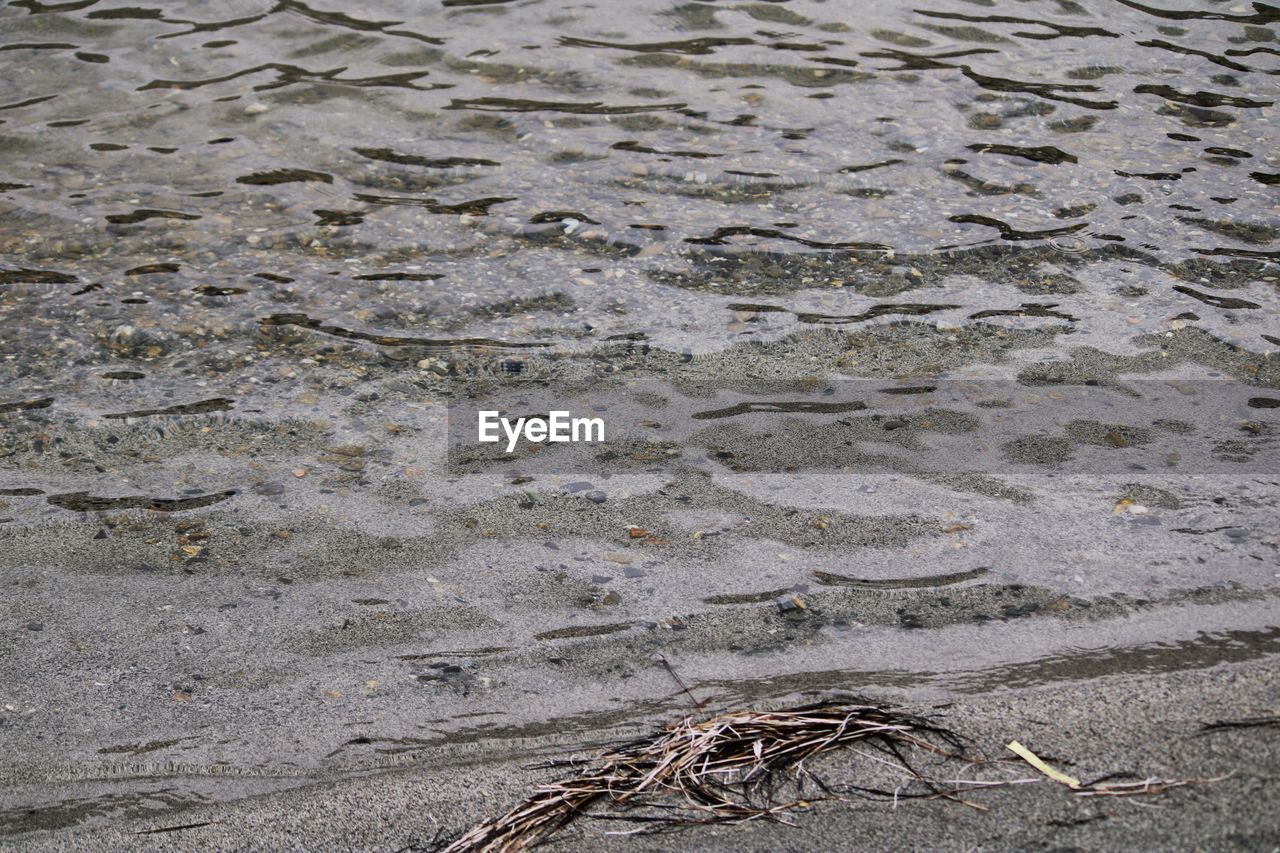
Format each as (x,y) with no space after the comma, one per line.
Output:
(937,350)
(1140,724)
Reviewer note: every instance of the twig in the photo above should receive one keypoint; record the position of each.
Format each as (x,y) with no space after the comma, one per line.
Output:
(177,828)
(697,706)
(1244,723)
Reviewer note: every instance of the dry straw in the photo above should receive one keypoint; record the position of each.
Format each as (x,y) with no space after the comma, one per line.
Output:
(725,768)
(732,768)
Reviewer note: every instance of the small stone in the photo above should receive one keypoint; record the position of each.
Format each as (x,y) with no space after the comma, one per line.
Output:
(35,626)
(299,472)
(596,497)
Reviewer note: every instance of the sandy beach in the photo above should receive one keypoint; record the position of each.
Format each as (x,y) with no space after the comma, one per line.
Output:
(934,353)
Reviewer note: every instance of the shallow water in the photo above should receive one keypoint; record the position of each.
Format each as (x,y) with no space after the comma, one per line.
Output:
(820,258)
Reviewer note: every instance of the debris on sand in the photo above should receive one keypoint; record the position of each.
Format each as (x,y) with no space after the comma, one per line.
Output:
(1101,787)
(725,768)
(1034,760)
(733,767)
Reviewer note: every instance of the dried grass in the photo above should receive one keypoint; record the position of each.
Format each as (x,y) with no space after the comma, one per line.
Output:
(720,769)
(745,765)
(1152,785)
